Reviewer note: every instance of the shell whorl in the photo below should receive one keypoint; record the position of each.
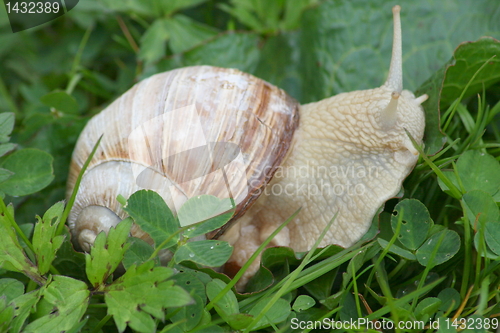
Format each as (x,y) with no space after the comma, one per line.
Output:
(179,132)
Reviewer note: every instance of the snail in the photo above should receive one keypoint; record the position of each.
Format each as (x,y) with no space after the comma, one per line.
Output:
(208,130)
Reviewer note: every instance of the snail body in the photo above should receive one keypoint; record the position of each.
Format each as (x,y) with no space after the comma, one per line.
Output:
(207,130)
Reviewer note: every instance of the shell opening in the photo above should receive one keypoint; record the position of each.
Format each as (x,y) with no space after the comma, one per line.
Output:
(395,77)
(91,221)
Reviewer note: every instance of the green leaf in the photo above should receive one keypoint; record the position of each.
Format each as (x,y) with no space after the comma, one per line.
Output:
(60,101)
(202,208)
(477,171)
(5,174)
(416,223)
(480,207)
(225,306)
(466,61)
(492,236)
(277,314)
(448,247)
(153,41)
(152,215)
(107,253)
(190,314)
(450,299)
(24,305)
(427,308)
(235,50)
(135,7)
(191,281)
(12,256)
(32,172)
(138,252)
(185,33)
(212,253)
(6,315)
(397,250)
(69,261)
(7,120)
(69,298)
(142,292)
(303,302)
(239,321)
(11,288)
(6,147)
(170,6)
(45,241)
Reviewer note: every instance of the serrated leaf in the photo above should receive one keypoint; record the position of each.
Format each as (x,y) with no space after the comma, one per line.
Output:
(45,241)
(23,307)
(140,293)
(107,253)
(60,100)
(416,223)
(138,252)
(212,253)
(152,215)
(7,120)
(448,247)
(6,315)
(477,171)
(32,172)
(70,300)
(12,256)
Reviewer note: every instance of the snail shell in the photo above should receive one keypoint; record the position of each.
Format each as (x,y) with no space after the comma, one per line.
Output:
(181,133)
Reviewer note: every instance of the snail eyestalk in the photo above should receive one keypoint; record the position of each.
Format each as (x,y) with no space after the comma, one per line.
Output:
(395,77)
